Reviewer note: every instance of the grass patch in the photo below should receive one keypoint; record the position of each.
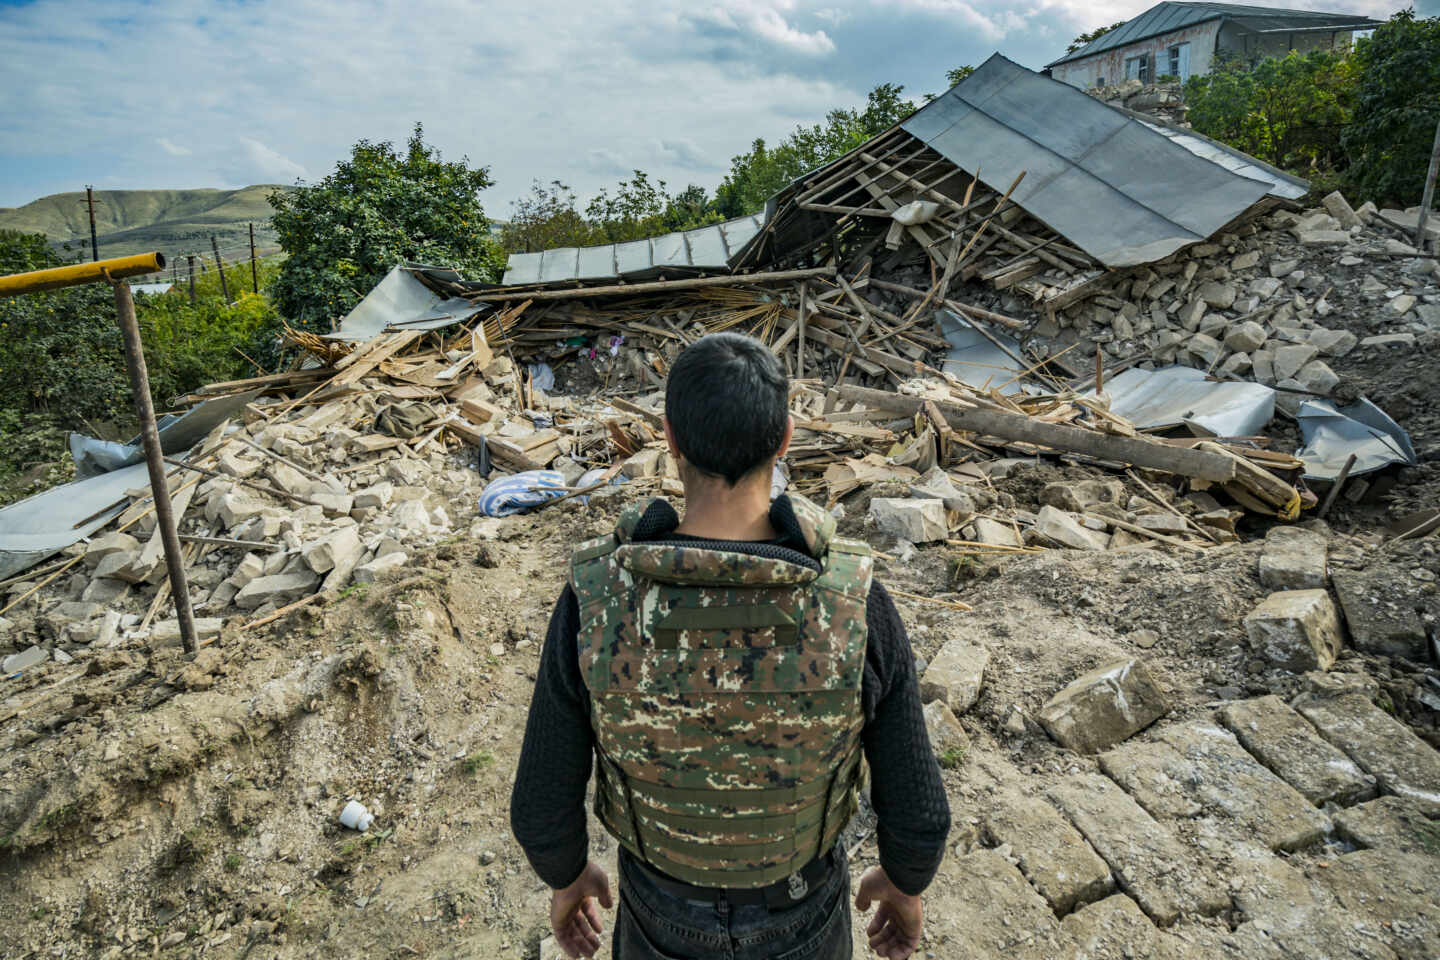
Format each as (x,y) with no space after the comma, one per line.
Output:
(1430,836)
(477,762)
(233,862)
(952,758)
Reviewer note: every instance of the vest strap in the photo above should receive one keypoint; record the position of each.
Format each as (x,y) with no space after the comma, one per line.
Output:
(748,617)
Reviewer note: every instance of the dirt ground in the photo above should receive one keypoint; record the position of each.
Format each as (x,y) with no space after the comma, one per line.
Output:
(155,804)
(172,813)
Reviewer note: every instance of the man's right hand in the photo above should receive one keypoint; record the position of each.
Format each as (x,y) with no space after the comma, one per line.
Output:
(574,918)
(895,931)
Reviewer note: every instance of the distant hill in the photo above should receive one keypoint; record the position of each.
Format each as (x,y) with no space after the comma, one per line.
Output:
(175,222)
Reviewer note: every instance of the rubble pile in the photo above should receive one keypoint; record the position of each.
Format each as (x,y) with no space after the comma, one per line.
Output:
(1164,100)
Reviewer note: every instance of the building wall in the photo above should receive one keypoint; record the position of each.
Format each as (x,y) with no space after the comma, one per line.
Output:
(1251,46)
(1109,66)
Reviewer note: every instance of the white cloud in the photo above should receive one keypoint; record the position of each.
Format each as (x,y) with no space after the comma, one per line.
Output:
(683,152)
(767,22)
(174,149)
(257,163)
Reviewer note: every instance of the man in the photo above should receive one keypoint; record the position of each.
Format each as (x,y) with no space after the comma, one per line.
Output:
(725,672)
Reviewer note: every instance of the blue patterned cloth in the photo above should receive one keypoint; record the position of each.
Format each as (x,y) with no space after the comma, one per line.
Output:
(516,494)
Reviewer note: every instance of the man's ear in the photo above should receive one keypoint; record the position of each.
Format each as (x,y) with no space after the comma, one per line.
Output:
(784,444)
(670,441)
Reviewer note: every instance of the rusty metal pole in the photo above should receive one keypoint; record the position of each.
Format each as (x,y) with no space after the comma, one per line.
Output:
(154,459)
(254,270)
(94,242)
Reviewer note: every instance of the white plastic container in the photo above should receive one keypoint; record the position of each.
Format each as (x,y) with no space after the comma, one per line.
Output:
(356,817)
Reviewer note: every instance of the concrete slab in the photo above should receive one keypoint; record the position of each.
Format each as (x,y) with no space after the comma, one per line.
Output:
(1380,610)
(1049,851)
(1149,863)
(1393,890)
(1297,629)
(955,675)
(1276,899)
(1000,914)
(1293,558)
(1390,823)
(1286,743)
(1382,746)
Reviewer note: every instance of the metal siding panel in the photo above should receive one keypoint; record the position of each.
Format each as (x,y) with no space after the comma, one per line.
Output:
(596,263)
(707,247)
(633,256)
(522,268)
(559,264)
(670,251)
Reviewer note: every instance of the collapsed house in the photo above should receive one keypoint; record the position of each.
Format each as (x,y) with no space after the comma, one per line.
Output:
(1015,271)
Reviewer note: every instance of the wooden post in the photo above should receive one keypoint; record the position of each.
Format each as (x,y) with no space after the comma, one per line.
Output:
(800,334)
(1335,487)
(155,460)
(191,258)
(1428,197)
(1099,372)
(220,265)
(94,241)
(254,270)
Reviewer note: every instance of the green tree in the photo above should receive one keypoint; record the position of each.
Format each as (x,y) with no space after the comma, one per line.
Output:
(378,208)
(1092,36)
(953,77)
(1289,111)
(755,176)
(635,210)
(1397,105)
(546,219)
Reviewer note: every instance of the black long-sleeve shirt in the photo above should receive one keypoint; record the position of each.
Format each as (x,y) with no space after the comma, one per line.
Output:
(547,807)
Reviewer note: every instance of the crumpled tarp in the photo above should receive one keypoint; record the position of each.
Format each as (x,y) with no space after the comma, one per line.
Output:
(521,492)
(1177,396)
(1332,433)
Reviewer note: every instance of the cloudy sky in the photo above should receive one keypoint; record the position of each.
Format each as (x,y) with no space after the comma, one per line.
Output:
(223,93)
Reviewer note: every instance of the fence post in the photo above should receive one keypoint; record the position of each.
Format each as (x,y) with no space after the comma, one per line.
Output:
(190,257)
(94,242)
(220,265)
(254,270)
(154,459)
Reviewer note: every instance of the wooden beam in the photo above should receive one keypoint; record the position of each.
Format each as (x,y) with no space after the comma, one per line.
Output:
(663,286)
(1104,446)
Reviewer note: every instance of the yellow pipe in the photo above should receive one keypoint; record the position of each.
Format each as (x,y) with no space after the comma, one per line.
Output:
(56,277)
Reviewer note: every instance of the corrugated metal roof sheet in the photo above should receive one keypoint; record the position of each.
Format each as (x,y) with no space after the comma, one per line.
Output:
(1113,186)
(1170,15)
(705,248)
(1281,183)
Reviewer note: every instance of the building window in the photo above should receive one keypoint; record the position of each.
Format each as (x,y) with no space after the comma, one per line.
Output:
(1179,56)
(1137,68)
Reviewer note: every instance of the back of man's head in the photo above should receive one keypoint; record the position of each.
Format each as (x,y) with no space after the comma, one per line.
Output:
(727,400)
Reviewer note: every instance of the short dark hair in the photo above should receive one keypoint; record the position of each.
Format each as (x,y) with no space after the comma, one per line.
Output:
(728,401)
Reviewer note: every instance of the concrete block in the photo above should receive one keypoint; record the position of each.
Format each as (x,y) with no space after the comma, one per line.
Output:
(1067,530)
(339,548)
(1317,377)
(280,588)
(956,675)
(1105,706)
(1333,343)
(1290,358)
(334,504)
(292,481)
(1381,613)
(995,532)
(372,571)
(102,547)
(948,740)
(1218,295)
(1339,208)
(1296,629)
(919,521)
(1204,346)
(1048,850)
(1293,558)
(1245,336)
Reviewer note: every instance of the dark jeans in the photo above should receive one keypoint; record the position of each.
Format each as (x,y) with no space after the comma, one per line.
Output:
(652,924)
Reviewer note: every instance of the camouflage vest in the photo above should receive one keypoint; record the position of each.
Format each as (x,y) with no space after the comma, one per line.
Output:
(725,696)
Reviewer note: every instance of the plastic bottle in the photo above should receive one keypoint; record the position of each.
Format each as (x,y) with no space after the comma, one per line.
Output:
(356,817)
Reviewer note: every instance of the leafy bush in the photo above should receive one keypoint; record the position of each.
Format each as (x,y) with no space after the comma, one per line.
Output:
(378,208)
(1397,105)
(1289,111)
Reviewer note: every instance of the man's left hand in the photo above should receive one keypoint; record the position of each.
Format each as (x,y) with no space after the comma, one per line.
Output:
(574,916)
